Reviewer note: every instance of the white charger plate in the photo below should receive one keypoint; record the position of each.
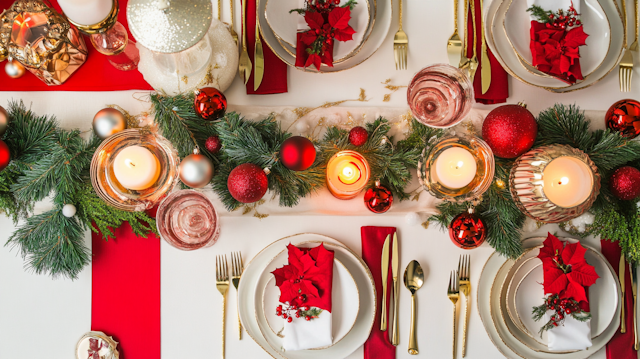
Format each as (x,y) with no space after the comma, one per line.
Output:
(344,308)
(249,286)
(285,26)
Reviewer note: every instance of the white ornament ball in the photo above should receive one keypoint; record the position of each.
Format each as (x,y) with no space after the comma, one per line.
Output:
(69,210)
(196,170)
(413,218)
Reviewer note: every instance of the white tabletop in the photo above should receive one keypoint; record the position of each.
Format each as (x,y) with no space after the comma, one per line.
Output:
(40,317)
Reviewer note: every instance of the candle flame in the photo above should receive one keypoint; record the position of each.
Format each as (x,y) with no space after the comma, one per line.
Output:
(459,164)
(129,163)
(350,173)
(563,181)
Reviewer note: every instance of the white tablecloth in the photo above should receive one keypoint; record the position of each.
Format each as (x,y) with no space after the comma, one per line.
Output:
(40,317)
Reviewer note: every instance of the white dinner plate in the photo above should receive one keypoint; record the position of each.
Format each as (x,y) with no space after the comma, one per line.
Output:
(285,26)
(344,308)
(247,300)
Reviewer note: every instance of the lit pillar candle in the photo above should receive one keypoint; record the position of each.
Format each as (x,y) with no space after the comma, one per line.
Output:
(136,168)
(86,12)
(568,181)
(347,174)
(455,168)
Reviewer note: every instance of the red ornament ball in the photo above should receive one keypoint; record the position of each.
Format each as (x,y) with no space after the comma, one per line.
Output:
(297,153)
(625,183)
(624,117)
(378,199)
(358,136)
(5,155)
(467,230)
(510,130)
(213,144)
(247,183)
(210,103)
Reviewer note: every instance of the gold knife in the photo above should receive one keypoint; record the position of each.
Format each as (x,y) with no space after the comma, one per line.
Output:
(396,290)
(634,288)
(258,56)
(473,62)
(485,64)
(622,268)
(385,276)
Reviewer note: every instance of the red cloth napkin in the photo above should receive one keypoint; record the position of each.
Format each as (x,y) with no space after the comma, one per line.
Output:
(96,74)
(498,91)
(125,292)
(274,79)
(378,345)
(621,345)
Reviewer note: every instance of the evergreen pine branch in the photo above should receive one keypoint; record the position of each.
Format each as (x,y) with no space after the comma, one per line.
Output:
(609,150)
(9,204)
(29,136)
(540,14)
(219,184)
(565,125)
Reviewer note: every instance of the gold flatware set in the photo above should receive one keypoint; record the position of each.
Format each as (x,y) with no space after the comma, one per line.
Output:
(400,44)
(393,333)
(459,282)
(222,284)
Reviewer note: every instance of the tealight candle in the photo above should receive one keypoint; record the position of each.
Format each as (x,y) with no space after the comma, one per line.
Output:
(86,12)
(455,168)
(568,181)
(136,168)
(347,174)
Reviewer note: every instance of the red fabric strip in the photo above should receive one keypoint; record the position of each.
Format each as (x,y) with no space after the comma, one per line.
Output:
(621,345)
(274,79)
(378,345)
(96,74)
(125,301)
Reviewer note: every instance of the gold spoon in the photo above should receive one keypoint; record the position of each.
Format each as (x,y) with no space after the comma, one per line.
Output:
(413,280)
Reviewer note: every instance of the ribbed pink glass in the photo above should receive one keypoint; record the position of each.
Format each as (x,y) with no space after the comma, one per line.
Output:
(440,96)
(123,53)
(187,220)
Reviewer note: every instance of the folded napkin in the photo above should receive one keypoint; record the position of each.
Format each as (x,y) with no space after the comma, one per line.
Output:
(621,345)
(573,335)
(378,345)
(305,293)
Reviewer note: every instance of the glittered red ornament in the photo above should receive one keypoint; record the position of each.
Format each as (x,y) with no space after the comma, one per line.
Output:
(297,153)
(625,183)
(467,230)
(213,144)
(624,117)
(247,183)
(210,103)
(378,199)
(358,136)
(510,130)
(5,155)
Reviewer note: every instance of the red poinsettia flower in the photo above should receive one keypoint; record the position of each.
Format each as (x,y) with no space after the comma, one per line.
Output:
(556,51)
(566,272)
(94,348)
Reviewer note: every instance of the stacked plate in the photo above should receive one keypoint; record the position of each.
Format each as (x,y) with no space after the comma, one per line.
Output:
(507,27)
(353,298)
(509,289)
(370,19)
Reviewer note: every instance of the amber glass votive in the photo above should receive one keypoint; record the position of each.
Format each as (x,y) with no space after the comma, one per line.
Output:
(347,174)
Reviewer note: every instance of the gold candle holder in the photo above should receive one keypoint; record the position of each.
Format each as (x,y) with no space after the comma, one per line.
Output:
(348,173)
(456,169)
(554,183)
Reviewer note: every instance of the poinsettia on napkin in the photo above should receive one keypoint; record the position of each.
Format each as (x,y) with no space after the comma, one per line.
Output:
(556,38)
(305,293)
(567,276)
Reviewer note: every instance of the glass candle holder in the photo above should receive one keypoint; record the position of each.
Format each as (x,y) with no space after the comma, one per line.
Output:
(554,183)
(347,174)
(103,175)
(440,96)
(457,169)
(187,220)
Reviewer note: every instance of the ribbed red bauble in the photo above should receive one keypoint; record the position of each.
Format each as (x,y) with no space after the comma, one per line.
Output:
(247,183)
(210,103)
(297,153)
(625,183)
(5,155)
(624,117)
(358,136)
(510,130)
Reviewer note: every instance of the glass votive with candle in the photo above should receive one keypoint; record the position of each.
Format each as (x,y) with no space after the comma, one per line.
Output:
(554,183)
(134,169)
(347,174)
(456,169)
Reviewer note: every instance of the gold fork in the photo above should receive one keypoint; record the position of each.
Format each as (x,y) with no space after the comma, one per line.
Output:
(233,32)
(625,70)
(465,288)
(222,283)
(244,64)
(454,294)
(400,45)
(454,44)
(236,272)
(473,62)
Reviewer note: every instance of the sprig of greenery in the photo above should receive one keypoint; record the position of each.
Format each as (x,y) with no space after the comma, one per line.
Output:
(541,14)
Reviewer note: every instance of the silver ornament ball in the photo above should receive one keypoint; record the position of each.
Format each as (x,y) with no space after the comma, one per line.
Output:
(4,121)
(14,69)
(107,122)
(69,210)
(196,170)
